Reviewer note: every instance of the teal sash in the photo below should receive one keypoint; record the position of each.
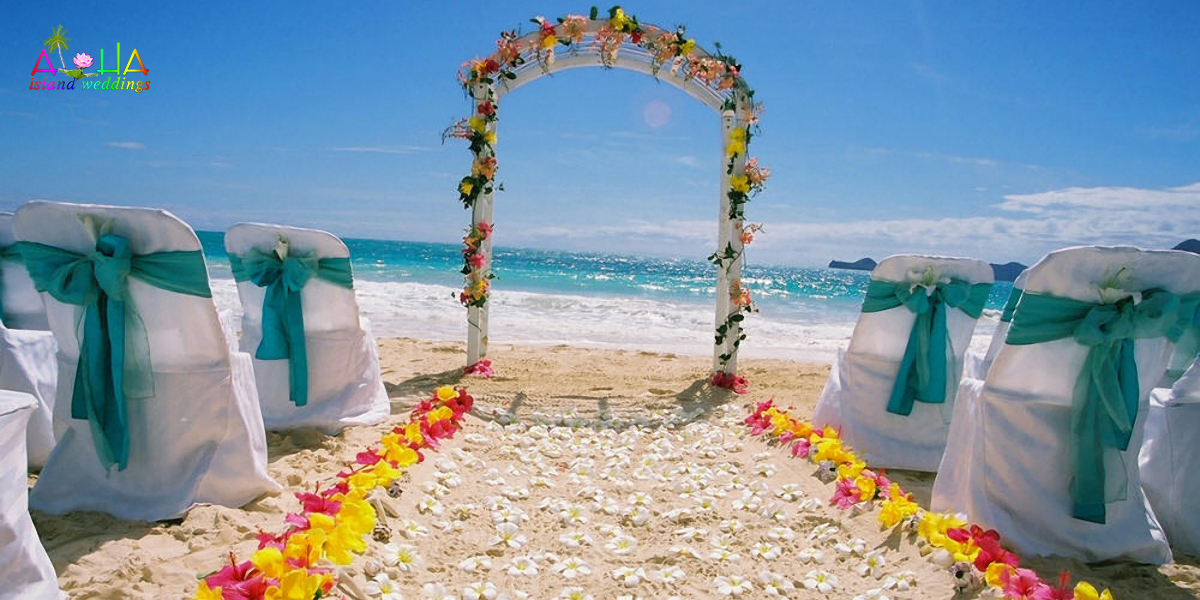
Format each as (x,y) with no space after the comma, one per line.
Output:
(7,253)
(1011,305)
(283,313)
(1105,399)
(1187,335)
(114,352)
(922,375)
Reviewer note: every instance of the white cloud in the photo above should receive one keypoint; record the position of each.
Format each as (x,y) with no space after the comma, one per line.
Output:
(1106,198)
(688,160)
(127,145)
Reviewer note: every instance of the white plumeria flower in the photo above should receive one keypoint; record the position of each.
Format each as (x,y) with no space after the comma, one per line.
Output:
(476,564)
(383,587)
(640,515)
(809,505)
(437,591)
(901,581)
(784,534)
(496,502)
(508,535)
(872,594)
(640,499)
(687,551)
(628,576)
(405,558)
(822,581)
(575,539)
(572,567)
(622,544)
(461,512)
(775,584)
(706,504)
(734,585)
(732,526)
(813,555)
(823,532)
(574,593)
(523,565)
(766,551)
(412,529)
(765,469)
(480,590)
(774,511)
(668,575)
(573,515)
(873,563)
(725,556)
(790,492)
(722,541)
(854,546)
(691,533)
(431,505)
(510,515)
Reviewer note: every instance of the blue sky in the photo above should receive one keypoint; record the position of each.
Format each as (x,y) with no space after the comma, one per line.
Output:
(999,130)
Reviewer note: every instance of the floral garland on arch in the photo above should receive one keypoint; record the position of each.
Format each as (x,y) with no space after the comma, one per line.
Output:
(332,525)
(972,554)
(475,270)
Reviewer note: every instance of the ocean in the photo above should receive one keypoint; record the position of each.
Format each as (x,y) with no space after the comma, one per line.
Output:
(546,297)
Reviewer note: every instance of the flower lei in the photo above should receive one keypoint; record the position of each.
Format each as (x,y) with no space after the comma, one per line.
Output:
(332,525)
(475,269)
(973,554)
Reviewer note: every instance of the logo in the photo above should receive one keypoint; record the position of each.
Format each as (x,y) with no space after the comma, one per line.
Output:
(114,78)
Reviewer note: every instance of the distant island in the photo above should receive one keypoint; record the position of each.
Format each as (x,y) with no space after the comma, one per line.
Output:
(1004,272)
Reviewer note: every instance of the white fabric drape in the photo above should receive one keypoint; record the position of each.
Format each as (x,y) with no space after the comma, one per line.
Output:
(25,570)
(856,395)
(345,383)
(200,438)
(1006,460)
(977,366)
(1170,460)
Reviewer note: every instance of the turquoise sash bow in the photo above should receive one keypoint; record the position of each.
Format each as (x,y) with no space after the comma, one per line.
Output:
(114,352)
(1010,305)
(922,375)
(1107,391)
(12,253)
(283,313)
(1187,335)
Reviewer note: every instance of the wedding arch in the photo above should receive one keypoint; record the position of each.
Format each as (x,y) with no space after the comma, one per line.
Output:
(614,40)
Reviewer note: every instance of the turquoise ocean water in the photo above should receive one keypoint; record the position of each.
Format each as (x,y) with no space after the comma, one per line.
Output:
(545,296)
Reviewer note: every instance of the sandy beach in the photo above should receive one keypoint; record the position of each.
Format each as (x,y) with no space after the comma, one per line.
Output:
(698,483)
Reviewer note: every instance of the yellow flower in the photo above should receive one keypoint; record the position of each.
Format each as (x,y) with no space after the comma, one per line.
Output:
(446,393)
(867,486)
(1086,591)
(465,187)
(619,20)
(549,41)
(739,183)
(269,560)
(490,138)
(934,525)
(852,470)
(995,574)
(477,124)
(830,450)
(305,547)
(735,148)
(206,593)
(738,135)
(896,508)
(687,47)
(412,433)
(399,452)
(297,584)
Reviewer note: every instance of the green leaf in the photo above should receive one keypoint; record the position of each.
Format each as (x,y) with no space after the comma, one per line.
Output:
(594,14)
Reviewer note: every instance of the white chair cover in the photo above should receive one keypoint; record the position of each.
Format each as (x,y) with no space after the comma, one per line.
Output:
(345,386)
(978,366)
(23,307)
(856,395)
(1007,458)
(200,438)
(25,570)
(1170,460)
(27,348)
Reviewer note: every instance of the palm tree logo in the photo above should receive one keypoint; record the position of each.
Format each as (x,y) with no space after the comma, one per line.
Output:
(58,41)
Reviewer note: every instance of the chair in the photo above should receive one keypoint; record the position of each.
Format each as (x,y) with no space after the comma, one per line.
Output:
(25,570)
(26,345)
(1045,449)
(978,366)
(1170,460)
(317,364)
(892,390)
(154,414)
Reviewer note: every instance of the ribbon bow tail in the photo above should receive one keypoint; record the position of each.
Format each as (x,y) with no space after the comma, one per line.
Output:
(1103,414)
(283,337)
(922,374)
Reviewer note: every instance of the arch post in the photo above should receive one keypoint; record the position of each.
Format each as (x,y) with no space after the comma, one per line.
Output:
(729,236)
(481,212)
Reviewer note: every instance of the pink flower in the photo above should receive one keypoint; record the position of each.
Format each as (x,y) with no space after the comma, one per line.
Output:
(800,448)
(1022,584)
(83,60)
(482,368)
(1062,592)
(485,228)
(476,261)
(846,495)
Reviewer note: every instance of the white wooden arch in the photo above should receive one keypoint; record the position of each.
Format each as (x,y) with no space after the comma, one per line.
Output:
(731,104)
